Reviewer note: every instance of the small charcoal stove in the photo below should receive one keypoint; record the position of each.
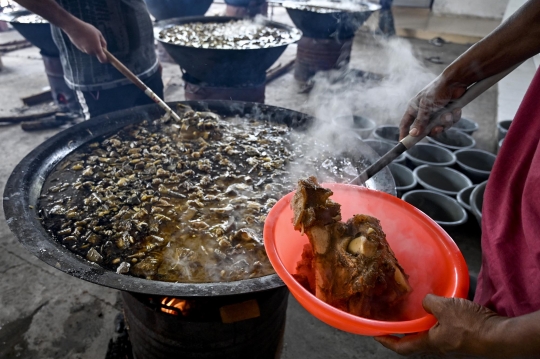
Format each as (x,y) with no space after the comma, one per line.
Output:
(195,90)
(241,326)
(224,74)
(327,38)
(239,319)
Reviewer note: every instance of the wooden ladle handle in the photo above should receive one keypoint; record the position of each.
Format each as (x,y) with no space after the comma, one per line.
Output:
(137,82)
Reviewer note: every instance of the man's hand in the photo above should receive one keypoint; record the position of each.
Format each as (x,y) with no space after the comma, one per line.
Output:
(463,328)
(432,98)
(87,38)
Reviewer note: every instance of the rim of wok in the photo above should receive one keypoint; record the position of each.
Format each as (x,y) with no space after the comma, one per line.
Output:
(24,186)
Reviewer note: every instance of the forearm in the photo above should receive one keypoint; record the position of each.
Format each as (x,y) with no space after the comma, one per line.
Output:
(514,41)
(517,337)
(51,11)
(86,37)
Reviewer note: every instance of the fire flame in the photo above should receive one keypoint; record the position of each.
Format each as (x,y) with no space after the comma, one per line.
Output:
(179,304)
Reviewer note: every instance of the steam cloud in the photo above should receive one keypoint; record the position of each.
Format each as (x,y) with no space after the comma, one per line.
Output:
(384,101)
(342,92)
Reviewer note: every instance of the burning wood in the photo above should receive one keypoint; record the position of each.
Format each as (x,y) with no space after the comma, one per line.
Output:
(181,306)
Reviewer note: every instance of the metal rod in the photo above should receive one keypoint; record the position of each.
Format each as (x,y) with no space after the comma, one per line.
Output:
(137,82)
(472,92)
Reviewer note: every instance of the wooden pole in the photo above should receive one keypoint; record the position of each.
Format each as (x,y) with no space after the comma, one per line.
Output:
(137,82)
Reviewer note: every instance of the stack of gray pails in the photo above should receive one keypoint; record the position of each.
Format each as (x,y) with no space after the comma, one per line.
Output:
(446,169)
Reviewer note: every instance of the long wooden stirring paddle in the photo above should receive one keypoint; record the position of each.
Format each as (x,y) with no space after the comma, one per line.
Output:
(137,82)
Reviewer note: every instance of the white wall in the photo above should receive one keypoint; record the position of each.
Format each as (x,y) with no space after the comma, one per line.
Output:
(491,9)
(512,7)
(513,87)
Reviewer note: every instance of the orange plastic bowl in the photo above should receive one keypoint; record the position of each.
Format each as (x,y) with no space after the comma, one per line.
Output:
(426,252)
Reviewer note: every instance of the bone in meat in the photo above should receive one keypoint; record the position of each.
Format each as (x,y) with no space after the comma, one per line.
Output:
(354,267)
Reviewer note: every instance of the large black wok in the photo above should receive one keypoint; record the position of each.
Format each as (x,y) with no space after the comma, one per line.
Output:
(24,186)
(223,67)
(339,25)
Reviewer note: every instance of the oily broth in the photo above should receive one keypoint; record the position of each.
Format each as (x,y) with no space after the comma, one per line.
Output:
(179,202)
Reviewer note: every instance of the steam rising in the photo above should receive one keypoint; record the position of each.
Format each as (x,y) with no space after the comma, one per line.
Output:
(383,101)
(344,93)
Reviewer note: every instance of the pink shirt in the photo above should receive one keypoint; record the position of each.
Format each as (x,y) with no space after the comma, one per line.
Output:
(509,280)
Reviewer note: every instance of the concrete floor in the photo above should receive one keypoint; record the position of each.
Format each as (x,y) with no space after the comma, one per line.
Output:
(45,313)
